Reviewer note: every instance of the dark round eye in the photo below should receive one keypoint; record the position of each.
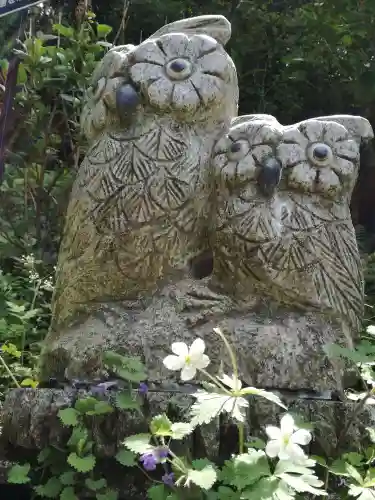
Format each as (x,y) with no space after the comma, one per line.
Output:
(179,69)
(320,154)
(238,150)
(127,98)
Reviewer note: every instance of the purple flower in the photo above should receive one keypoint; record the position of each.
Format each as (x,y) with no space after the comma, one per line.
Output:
(149,461)
(162,453)
(168,479)
(142,389)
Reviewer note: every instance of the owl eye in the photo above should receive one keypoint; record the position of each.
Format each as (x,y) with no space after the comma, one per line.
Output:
(238,150)
(320,154)
(179,69)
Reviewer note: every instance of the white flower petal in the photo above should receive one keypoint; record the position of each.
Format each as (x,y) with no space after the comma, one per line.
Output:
(188,372)
(173,363)
(185,96)
(294,452)
(142,73)
(149,52)
(371,329)
(202,363)
(273,432)
(301,436)
(180,349)
(160,93)
(287,425)
(273,448)
(197,349)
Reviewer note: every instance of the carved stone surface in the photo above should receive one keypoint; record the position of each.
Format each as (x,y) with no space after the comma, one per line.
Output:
(185,217)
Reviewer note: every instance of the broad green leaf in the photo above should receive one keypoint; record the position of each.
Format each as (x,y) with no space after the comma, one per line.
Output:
(204,478)
(139,443)
(210,405)
(101,408)
(44,454)
(103,30)
(301,485)
(246,469)
(256,443)
(181,429)
(201,463)
(352,471)
(127,368)
(270,396)
(18,474)
(353,458)
(66,31)
(79,434)
(264,489)
(338,468)
(125,401)
(126,458)
(158,492)
(86,404)
(68,478)
(68,493)
(225,493)
(51,489)
(161,426)
(95,485)
(68,416)
(81,464)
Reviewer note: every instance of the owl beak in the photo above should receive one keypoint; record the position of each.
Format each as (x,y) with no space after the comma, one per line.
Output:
(127,99)
(269,176)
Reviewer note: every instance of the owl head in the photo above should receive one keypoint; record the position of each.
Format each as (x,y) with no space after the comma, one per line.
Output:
(244,159)
(182,69)
(321,156)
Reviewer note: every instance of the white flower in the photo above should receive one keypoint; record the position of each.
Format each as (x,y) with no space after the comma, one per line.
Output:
(371,329)
(188,360)
(284,441)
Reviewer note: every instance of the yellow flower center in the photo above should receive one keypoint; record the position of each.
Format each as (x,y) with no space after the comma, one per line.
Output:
(187,360)
(286,440)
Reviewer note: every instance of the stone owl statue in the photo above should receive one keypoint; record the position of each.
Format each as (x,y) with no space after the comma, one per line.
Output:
(285,225)
(137,211)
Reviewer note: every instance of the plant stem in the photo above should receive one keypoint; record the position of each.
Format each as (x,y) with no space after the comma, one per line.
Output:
(230,350)
(241,437)
(10,373)
(215,381)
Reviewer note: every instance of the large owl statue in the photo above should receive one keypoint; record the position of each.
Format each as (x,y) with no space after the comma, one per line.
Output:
(138,210)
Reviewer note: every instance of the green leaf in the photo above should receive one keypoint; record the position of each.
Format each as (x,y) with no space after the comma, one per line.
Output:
(103,30)
(161,426)
(264,489)
(68,478)
(81,464)
(270,396)
(126,458)
(85,405)
(338,468)
(355,459)
(44,454)
(18,474)
(125,401)
(79,434)
(201,463)
(51,489)
(204,478)
(319,460)
(108,495)
(139,443)
(246,469)
(95,485)
(127,368)
(352,471)
(68,416)
(68,494)
(157,492)
(101,408)
(225,493)
(256,443)
(66,31)
(180,430)
(300,484)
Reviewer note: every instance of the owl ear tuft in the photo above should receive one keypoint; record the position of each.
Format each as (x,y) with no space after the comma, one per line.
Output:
(215,26)
(254,118)
(357,126)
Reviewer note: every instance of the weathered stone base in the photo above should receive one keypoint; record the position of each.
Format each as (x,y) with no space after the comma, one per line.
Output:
(30,423)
